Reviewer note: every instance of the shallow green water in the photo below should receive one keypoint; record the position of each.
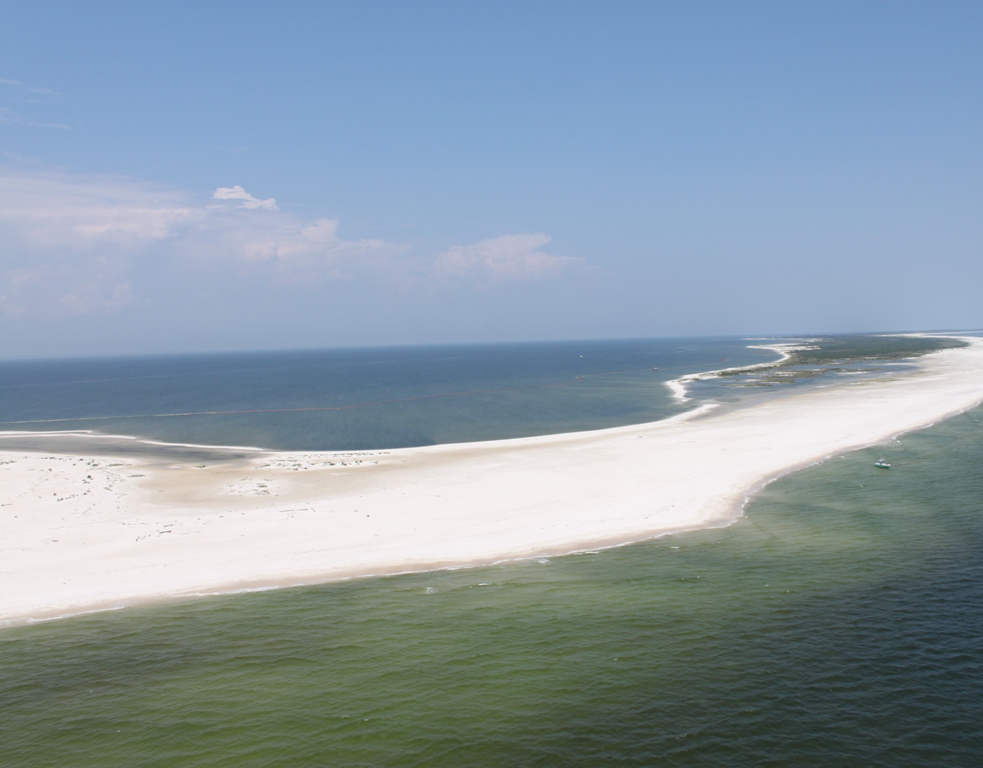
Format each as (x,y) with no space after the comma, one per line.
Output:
(840,623)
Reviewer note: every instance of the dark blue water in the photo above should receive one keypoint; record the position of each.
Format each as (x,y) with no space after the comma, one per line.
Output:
(363,398)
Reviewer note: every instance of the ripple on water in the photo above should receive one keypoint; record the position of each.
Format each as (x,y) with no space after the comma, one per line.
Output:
(839,624)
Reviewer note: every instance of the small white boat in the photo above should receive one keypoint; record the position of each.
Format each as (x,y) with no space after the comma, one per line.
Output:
(882,464)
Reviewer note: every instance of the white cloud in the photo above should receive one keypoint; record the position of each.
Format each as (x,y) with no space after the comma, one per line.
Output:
(48,210)
(322,231)
(81,243)
(248,201)
(10,117)
(22,86)
(21,93)
(86,243)
(508,257)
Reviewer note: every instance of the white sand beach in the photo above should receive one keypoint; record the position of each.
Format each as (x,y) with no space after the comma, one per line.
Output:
(81,533)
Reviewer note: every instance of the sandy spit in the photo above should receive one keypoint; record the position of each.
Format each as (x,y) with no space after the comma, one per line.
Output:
(82,533)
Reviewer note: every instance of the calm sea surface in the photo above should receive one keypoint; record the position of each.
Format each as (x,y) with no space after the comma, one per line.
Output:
(363,398)
(839,623)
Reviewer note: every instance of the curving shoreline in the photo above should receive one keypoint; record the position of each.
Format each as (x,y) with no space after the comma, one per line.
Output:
(82,533)
(784,351)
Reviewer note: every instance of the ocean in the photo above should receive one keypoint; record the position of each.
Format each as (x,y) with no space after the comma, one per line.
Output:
(362,399)
(839,622)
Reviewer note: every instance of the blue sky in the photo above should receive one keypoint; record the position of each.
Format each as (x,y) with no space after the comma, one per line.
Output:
(238,175)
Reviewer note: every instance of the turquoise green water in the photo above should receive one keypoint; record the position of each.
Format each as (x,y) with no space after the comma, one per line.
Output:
(839,623)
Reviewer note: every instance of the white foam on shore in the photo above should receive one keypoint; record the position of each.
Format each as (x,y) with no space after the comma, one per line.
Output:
(679,387)
(83,533)
(93,435)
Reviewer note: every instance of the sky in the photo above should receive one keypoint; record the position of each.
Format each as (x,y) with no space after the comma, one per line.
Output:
(203,176)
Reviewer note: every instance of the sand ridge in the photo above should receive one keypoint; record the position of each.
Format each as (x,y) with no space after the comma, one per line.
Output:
(81,533)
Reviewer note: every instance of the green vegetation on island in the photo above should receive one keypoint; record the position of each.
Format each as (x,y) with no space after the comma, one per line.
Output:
(810,358)
(857,348)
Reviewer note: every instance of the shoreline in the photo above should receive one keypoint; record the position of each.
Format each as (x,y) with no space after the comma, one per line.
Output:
(784,351)
(106,532)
